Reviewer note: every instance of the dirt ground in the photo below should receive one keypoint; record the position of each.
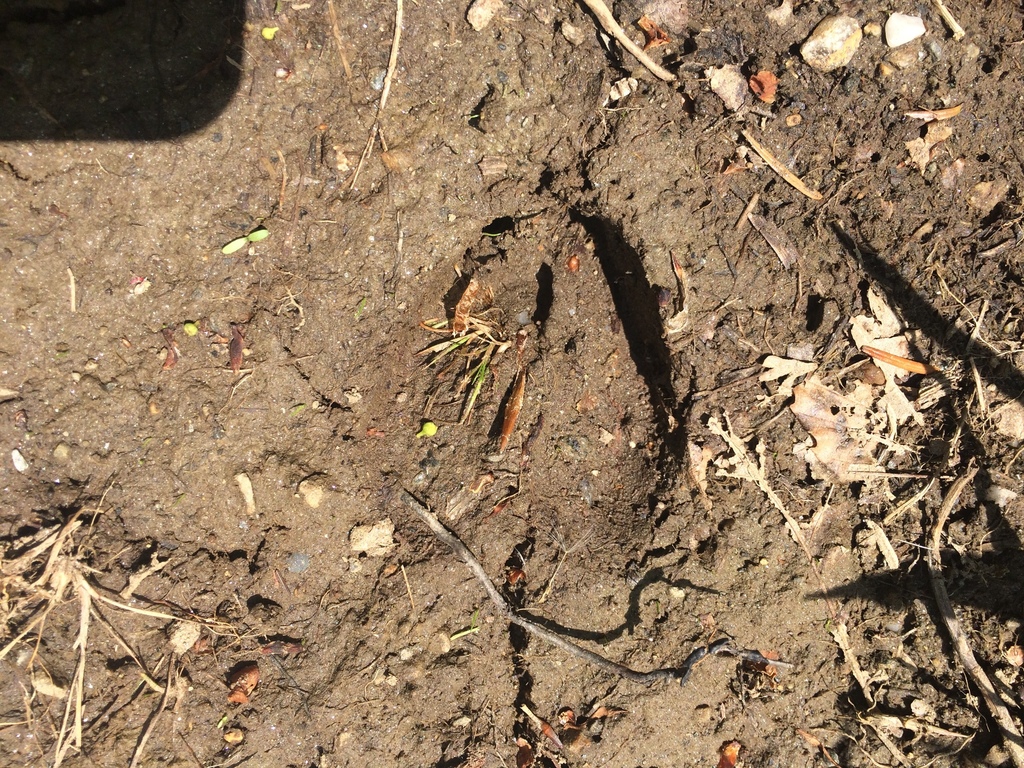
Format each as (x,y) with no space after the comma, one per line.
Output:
(639,508)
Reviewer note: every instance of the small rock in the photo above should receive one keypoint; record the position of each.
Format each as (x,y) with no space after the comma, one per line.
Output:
(900,29)
(311,493)
(19,461)
(375,540)
(783,15)
(61,453)
(571,33)
(986,195)
(481,12)
(298,562)
(729,85)
(832,43)
(873,29)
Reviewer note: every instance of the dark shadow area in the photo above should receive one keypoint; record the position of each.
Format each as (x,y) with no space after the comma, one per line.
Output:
(116,69)
(636,304)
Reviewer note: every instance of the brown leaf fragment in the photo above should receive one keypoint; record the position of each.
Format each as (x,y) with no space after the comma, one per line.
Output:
(524,756)
(921,149)
(602,712)
(281,648)
(653,34)
(764,85)
(843,448)
(173,353)
(730,752)
(777,239)
(515,400)
(475,298)
(243,682)
(235,348)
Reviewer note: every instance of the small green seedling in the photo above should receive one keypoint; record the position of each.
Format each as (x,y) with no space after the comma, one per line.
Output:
(428,429)
(472,629)
(260,233)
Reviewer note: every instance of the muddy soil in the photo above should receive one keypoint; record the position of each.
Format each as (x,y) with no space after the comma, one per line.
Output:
(638,507)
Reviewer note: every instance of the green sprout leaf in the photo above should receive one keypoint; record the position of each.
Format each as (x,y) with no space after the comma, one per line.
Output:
(260,233)
(235,245)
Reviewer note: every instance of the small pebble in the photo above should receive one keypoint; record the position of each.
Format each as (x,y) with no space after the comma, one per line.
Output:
(298,563)
(729,85)
(19,461)
(482,12)
(900,29)
(832,44)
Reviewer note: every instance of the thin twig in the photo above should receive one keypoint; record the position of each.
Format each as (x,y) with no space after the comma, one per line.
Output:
(1011,735)
(681,673)
(776,165)
(74,291)
(613,28)
(151,725)
(337,39)
(388,77)
(951,22)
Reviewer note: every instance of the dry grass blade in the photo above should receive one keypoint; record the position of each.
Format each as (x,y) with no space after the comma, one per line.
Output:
(777,239)
(515,400)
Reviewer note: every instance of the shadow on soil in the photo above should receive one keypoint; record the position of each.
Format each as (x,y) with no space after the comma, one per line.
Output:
(116,69)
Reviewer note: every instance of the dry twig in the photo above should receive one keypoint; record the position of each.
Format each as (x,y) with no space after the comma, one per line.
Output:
(1011,735)
(385,92)
(776,165)
(681,673)
(613,28)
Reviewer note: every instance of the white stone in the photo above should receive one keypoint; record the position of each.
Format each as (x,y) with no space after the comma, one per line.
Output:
(900,29)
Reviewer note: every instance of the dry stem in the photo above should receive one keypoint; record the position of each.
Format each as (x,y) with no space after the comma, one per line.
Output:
(1011,735)
(388,77)
(613,28)
(681,673)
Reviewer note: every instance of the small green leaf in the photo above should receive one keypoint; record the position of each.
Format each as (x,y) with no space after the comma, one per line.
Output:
(360,307)
(260,233)
(268,33)
(429,429)
(237,244)
(190,328)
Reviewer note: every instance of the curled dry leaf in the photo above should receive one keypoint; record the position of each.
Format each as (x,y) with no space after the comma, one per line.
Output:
(935,114)
(653,34)
(173,353)
(475,298)
(243,682)
(515,400)
(729,754)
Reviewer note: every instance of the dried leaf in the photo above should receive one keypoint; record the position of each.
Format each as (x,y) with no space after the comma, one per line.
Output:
(602,712)
(730,753)
(515,400)
(843,447)
(776,368)
(243,682)
(653,34)
(236,348)
(922,149)
(524,756)
(173,353)
(475,298)
(764,85)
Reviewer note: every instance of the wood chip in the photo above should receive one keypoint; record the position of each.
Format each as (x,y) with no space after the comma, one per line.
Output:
(777,239)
